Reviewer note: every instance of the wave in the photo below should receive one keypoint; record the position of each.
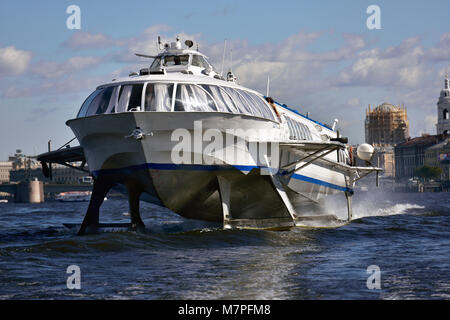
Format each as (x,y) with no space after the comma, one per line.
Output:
(361,211)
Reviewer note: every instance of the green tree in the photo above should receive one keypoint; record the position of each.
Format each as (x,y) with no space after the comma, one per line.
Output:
(428,172)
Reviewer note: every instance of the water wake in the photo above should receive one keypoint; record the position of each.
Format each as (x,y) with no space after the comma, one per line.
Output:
(396,209)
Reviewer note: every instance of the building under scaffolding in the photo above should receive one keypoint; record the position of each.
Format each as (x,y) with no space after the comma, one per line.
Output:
(386,126)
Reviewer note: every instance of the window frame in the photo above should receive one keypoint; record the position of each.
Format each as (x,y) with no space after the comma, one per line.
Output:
(234,100)
(251,105)
(102,92)
(209,95)
(175,91)
(144,91)
(97,91)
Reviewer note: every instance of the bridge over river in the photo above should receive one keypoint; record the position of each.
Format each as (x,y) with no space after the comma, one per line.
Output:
(34,191)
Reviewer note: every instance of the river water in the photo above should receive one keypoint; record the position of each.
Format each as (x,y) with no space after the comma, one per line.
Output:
(406,235)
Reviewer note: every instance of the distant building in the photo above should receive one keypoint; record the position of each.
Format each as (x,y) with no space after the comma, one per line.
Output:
(443,109)
(60,174)
(438,155)
(384,158)
(5,168)
(21,161)
(410,154)
(20,167)
(386,125)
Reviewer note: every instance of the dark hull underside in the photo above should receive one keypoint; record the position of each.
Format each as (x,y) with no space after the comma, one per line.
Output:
(195,194)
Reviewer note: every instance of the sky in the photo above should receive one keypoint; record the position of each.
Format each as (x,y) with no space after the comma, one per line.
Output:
(321,57)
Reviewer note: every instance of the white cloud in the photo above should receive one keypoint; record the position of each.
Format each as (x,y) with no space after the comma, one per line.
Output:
(146,43)
(400,66)
(441,52)
(13,61)
(16,92)
(316,80)
(49,69)
(73,84)
(295,72)
(430,123)
(354,102)
(86,40)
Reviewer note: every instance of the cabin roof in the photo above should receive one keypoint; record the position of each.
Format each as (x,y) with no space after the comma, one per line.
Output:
(176,77)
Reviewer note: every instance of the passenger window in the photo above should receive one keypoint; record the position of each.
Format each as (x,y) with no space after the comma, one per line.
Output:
(228,101)
(199,61)
(149,99)
(176,60)
(87,103)
(136,97)
(158,97)
(264,107)
(308,133)
(112,102)
(130,97)
(240,102)
(203,95)
(124,97)
(291,128)
(156,64)
(101,102)
(298,131)
(180,94)
(218,98)
(193,98)
(301,128)
(255,107)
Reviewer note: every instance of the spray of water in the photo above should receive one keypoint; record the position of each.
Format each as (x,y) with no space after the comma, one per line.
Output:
(332,212)
(398,208)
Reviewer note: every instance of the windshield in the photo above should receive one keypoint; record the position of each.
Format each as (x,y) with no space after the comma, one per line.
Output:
(176,60)
(156,64)
(186,97)
(171,60)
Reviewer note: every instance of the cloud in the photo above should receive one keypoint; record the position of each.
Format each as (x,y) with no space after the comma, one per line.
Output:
(301,75)
(16,91)
(49,69)
(294,70)
(401,66)
(13,62)
(429,123)
(73,84)
(354,102)
(85,40)
(146,43)
(441,52)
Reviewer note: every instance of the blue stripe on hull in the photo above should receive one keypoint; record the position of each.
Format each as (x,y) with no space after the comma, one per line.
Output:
(197,167)
(321,182)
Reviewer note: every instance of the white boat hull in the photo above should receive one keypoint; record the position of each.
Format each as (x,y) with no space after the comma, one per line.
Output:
(191,189)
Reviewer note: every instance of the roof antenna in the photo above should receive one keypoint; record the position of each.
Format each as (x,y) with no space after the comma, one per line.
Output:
(230,75)
(159,43)
(268,86)
(223,56)
(334,124)
(231,59)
